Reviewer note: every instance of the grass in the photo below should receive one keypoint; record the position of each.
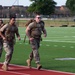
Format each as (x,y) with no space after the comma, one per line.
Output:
(60,43)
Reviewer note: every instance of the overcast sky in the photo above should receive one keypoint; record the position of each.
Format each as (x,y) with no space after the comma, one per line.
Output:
(25,2)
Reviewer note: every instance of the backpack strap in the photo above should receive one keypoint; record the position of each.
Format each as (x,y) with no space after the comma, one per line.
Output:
(30,21)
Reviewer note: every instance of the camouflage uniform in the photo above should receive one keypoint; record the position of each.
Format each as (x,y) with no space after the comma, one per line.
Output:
(36,31)
(1,46)
(9,33)
(1,42)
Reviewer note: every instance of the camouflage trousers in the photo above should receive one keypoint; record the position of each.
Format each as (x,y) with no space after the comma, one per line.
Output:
(35,44)
(8,47)
(1,47)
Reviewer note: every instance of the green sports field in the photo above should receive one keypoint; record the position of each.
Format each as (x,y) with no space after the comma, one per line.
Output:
(59,43)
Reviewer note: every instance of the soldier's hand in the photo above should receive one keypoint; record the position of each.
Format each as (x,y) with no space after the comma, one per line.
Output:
(45,35)
(4,38)
(31,39)
(19,38)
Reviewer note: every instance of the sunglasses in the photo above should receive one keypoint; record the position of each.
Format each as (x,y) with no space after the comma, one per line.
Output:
(38,17)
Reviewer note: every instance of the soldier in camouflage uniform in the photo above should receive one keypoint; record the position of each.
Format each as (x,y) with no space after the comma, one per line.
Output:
(34,31)
(9,30)
(1,40)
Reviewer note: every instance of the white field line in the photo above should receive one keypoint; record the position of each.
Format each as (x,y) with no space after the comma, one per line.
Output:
(59,41)
(46,69)
(14,72)
(52,41)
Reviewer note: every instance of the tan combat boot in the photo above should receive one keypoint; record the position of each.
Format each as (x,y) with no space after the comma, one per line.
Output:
(28,63)
(39,66)
(5,67)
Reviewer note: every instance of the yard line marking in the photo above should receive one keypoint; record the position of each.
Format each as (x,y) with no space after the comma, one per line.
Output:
(53,41)
(59,41)
(26,43)
(47,45)
(72,47)
(55,45)
(20,43)
(40,44)
(63,46)
(14,72)
(64,59)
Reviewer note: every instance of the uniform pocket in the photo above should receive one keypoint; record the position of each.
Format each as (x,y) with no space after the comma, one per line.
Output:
(5,45)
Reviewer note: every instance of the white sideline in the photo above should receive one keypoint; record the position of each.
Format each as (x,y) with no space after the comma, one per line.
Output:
(59,41)
(53,41)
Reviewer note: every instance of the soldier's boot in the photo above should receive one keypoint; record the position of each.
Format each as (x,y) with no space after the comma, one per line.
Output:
(5,67)
(28,63)
(39,66)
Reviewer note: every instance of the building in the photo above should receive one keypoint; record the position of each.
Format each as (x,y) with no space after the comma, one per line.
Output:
(21,11)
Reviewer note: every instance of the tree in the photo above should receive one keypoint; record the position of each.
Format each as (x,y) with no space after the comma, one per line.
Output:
(45,7)
(71,5)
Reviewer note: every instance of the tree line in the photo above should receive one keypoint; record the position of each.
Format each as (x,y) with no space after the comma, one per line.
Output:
(44,7)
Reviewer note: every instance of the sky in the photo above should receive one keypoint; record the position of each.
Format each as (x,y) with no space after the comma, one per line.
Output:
(25,2)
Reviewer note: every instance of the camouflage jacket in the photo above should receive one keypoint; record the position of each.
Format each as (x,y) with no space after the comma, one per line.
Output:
(0,28)
(36,29)
(9,32)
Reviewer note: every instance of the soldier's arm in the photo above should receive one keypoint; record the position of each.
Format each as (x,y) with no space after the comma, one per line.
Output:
(28,32)
(28,29)
(2,35)
(1,30)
